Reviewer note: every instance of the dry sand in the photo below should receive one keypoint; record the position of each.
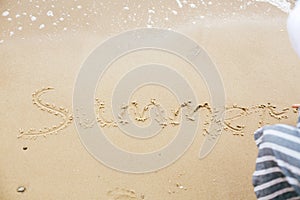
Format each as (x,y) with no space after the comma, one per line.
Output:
(247,42)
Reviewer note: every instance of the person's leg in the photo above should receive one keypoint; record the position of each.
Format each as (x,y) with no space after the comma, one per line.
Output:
(277,174)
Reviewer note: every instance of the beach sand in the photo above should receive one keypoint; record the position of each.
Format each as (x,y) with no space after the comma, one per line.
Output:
(248,43)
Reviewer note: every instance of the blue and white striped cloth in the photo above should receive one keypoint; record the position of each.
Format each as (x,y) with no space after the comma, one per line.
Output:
(277,174)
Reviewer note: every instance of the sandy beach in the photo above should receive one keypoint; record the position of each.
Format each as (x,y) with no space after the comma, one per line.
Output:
(43,45)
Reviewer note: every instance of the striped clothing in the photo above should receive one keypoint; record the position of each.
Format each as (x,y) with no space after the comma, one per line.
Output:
(277,174)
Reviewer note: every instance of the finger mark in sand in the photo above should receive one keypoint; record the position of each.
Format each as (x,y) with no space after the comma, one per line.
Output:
(51,109)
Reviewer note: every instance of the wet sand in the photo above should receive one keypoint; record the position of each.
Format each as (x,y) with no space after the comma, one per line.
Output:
(250,49)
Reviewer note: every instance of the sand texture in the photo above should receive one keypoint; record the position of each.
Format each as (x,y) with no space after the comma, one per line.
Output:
(42,47)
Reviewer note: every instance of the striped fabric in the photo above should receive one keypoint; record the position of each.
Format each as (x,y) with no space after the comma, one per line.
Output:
(277,174)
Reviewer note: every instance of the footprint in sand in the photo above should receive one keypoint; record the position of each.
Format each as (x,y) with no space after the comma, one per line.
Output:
(123,194)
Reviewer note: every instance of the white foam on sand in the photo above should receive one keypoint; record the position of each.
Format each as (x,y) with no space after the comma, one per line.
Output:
(283,5)
(179,3)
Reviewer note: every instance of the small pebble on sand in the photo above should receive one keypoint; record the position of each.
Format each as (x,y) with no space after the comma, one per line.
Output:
(21,189)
